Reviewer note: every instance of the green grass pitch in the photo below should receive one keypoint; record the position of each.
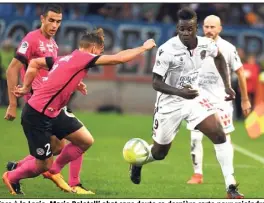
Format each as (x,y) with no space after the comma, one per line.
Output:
(105,172)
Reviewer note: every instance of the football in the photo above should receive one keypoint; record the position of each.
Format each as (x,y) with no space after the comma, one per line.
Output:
(136,151)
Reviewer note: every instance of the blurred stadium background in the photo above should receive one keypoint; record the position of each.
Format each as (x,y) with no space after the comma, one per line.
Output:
(127,89)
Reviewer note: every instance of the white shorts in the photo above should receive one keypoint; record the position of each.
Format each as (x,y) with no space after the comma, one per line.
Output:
(225,114)
(166,125)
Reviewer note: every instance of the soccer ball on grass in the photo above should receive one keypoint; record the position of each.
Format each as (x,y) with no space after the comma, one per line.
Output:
(136,151)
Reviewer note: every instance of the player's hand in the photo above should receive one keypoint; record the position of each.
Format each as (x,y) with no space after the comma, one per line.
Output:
(231,94)
(10,112)
(188,92)
(149,44)
(82,88)
(20,91)
(246,107)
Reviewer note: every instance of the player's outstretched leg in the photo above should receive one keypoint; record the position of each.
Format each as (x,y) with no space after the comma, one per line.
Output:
(197,157)
(213,129)
(157,152)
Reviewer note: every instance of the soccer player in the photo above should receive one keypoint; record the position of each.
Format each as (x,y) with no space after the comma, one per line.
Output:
(213,87)
(40,43)
(175,78)
(46,103)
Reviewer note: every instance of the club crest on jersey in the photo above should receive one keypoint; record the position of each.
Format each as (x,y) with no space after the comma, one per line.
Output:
(23,47)
(158,63)
(203,54)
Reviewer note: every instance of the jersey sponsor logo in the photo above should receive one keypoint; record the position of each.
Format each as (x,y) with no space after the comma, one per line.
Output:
(50,109)
(188,80)
(42,48)
(203,46)
(44,79)
(23,47)
(50,47)
(66,58)
(40,151)
(208,79)
(181,54)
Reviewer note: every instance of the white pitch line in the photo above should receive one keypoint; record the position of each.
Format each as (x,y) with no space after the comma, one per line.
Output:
(248,153)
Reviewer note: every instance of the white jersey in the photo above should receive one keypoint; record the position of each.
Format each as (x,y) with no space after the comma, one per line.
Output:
(210,80)
(179,66)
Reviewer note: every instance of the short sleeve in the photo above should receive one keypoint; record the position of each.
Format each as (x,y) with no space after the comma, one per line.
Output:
(49,62)
(235,61)
(92,64)
(213,49)
(162,62)
(24,51)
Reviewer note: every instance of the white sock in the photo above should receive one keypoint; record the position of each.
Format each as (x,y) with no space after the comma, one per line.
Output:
(197,151)
(223,152)
(150,157)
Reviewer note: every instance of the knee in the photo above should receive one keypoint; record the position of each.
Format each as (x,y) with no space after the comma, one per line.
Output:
(58,148)
(44,165)
(159,154)
(88,142)
(219,135)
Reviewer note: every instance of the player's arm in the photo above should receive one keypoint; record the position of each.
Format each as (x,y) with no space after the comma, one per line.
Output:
(126,55)
(237,66)
(32,71)
(158,84)
(34,67)
(222,68)
(20,60)
(12,76)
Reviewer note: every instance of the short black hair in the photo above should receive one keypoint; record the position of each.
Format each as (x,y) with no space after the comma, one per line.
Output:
(56,8)
(94,37)
(186,14)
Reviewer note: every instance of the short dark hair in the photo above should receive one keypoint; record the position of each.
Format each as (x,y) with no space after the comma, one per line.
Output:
(94,37)
(186,14)
(56,8)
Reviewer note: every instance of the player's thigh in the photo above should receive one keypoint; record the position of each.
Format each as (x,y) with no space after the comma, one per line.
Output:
(37,129)
(165,126)
(57,145)
(65,124)
(81,138)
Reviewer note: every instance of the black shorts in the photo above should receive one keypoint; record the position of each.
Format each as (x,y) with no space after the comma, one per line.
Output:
(38,129)
(64,124)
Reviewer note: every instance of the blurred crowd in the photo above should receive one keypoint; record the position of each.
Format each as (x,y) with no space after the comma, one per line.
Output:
(238,13)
